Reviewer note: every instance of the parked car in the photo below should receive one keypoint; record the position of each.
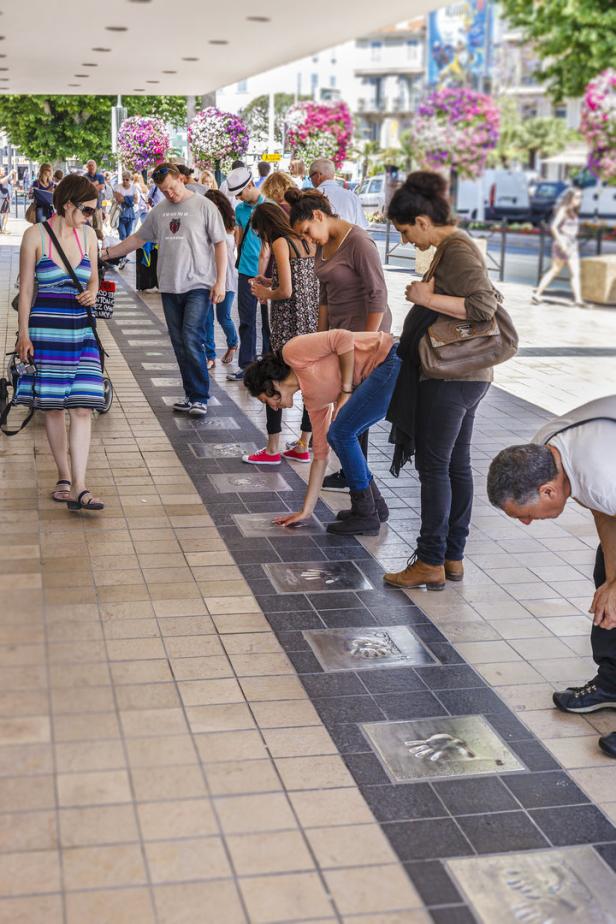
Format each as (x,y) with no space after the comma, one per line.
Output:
(542,202)
(372,193)
(497,195)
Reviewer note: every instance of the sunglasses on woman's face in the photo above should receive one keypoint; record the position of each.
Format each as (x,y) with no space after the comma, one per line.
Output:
(86,210)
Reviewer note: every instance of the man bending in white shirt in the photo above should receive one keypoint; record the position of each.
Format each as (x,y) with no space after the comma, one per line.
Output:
(573,457)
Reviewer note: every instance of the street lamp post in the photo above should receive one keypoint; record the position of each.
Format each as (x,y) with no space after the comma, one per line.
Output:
(118,114)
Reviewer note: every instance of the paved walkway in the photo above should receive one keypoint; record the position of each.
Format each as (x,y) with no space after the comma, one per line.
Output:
(172,751)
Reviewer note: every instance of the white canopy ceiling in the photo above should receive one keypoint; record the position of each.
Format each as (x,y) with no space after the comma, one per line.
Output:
(152,46)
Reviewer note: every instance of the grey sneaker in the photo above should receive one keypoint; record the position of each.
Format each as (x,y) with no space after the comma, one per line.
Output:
(235,376)
(183,405)
(198,409)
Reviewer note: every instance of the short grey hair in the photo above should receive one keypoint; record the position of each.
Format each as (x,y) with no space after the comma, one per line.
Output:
(324,166)
(517,473)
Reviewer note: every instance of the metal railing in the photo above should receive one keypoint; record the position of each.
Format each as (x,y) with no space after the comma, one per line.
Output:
(590,241)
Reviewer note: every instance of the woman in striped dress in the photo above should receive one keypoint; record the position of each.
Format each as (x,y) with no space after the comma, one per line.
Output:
(55,335)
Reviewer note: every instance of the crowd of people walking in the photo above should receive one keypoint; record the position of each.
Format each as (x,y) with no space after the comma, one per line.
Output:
(314,322)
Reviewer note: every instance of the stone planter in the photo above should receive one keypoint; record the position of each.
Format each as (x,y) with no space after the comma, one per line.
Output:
(599,279)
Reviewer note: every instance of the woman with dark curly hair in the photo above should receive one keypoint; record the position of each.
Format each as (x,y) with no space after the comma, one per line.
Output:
(346,380)
(293,294)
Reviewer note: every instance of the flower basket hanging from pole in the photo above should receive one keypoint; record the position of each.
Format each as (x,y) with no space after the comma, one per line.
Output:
(216,139)
(598,125)
(142,142)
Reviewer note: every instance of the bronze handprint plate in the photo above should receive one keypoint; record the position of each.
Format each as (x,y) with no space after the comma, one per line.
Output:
(565,886)
(367,647)
(440,748)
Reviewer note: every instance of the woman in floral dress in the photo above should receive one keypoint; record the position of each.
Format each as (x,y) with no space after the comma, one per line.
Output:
(293,293)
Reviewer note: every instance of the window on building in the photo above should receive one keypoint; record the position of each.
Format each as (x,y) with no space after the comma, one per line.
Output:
(242,86)
(332,80)
(560,112)
(314,83)
(375,50)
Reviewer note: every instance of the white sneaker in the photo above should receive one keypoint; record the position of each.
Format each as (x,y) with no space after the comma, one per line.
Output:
(183,405)
(198,409)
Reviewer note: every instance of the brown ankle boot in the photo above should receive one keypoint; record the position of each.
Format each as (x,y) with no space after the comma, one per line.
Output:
(454,570)
(418,574)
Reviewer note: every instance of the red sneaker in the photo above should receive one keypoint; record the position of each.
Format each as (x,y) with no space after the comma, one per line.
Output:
(297,453)
(262,457)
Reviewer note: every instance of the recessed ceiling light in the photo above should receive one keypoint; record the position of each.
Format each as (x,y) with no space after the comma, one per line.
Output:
(2,56)
(147,81)
(5,79)
(219,42)
(116,28)
(258,19)
(82,75)
(138,90)
(101,49)
(169,72)
(3,68)
(190,59)
(74,84)
(88,64)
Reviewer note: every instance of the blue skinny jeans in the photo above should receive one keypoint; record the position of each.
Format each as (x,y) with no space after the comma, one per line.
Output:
(223,316)
(367,405)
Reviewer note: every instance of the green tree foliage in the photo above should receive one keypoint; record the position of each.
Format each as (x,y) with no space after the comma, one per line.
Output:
(256,115)
(56,128)
(574,38)
(521,140)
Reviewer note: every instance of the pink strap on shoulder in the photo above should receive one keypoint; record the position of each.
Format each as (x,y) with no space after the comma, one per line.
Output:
(78,242)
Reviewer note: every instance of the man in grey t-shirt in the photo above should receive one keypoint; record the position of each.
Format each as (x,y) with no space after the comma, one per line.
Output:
(192,269)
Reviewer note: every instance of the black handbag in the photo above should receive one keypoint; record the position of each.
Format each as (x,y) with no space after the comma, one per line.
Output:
(8,383)
(107,384)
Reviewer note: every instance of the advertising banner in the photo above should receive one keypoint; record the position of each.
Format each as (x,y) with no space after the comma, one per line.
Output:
(459,43)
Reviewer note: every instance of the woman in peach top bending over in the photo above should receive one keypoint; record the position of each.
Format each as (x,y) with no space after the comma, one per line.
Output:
(346,379)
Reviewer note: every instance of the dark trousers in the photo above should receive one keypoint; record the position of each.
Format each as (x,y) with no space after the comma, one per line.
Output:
(247,310)
(444,426)
(274,421)
(603,641)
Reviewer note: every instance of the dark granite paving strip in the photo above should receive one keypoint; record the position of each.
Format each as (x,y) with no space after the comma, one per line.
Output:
(426,822)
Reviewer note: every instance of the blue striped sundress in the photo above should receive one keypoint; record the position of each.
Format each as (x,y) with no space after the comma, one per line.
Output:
(68,368)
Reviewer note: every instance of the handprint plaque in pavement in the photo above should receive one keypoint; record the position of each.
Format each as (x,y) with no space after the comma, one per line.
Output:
(440,747)
(566,886)
(366,648)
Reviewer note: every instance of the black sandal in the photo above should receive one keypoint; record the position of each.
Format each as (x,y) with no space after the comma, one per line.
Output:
(90,505)
(58,490)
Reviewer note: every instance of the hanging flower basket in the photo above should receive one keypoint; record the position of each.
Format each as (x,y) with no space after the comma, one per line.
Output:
(319,130)
(217,138)
(455,129)
(598,125)
(142,142)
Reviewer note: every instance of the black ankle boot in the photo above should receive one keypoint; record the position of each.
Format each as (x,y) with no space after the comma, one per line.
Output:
(382,509)
(363,519)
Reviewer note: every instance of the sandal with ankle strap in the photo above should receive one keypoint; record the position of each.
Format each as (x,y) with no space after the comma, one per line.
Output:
(89,505)
(59,490)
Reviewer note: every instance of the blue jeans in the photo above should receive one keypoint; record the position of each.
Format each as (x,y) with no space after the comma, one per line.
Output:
(444,426)
(223,316)
(125,226)
(247,310)
(186,317)
(367,405)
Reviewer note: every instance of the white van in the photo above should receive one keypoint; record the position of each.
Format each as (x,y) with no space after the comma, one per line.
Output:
(496,195)
(599,201)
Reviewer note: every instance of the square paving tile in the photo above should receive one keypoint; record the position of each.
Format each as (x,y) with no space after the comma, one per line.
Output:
(366,648)
(440,747)
(166,381)
(316,577)
(571,886)
(252,525)
(249,483)
(221,450)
